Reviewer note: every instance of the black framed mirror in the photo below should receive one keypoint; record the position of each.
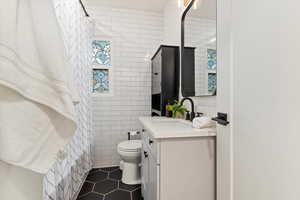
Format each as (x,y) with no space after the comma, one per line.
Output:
(199,49)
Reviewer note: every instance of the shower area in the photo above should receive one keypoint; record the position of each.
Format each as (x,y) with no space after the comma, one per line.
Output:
(64,179)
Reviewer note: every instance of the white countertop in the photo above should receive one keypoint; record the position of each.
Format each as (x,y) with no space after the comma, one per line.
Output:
(164,128)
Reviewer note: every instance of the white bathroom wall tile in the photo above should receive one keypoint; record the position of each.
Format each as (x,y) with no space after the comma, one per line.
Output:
(136,35)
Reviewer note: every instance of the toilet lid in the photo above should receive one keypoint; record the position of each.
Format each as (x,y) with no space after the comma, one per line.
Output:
(130,145)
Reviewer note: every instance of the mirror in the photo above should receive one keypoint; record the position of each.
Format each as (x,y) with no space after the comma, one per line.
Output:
(199,49)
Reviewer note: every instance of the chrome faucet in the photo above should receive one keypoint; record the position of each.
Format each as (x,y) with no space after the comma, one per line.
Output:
(192,115)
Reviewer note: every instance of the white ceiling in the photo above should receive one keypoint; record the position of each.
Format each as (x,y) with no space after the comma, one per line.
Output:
(149,5)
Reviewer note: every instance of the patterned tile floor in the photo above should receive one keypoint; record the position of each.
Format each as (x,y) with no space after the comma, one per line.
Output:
(105,184)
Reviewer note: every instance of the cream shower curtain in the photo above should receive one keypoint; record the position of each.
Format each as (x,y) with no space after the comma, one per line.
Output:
(63,178)
(37,114)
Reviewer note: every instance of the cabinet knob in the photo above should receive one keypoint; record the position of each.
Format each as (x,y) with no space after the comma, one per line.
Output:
(146,154)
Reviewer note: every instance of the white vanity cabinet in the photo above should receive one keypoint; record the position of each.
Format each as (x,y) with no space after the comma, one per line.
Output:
(150,169)
(177,168)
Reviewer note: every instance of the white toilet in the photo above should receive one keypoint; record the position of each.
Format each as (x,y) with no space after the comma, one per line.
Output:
(130,152)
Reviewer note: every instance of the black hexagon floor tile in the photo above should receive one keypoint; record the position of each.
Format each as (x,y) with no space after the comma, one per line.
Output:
(97,176)
(118,195)
(124,186)
(109,169)
(116,175)
(94,170)
(92,196)
(86,188)
(106,186)
(137,194)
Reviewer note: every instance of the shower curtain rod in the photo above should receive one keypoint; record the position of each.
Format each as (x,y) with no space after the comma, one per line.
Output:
(84,9)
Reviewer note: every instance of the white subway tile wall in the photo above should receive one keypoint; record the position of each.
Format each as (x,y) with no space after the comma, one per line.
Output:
(135,37)
(206,105)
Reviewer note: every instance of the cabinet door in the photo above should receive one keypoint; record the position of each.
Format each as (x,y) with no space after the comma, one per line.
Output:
(153,179)
(145,173)
(156,74)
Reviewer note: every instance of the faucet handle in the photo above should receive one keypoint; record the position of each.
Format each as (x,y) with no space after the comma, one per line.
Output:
(199,114)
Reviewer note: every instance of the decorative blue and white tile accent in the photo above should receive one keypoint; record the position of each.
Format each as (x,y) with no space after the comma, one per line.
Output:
(100,81)
(63,181)
(101,52)
(212,82)
(212,66)
(211,59)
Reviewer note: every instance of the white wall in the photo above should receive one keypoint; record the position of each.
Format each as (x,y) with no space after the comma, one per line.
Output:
(266,100)
(136,35)
(206,105)
(172,23)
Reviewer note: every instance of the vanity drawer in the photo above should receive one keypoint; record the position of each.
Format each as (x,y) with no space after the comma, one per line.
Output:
(151,144)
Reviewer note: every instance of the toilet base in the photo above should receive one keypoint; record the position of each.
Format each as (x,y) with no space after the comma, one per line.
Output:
(131,173)
(121,165)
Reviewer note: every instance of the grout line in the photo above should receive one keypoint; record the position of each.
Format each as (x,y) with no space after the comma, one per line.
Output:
(137,189)
(111,192)
(99,193)
(83,195)
(87,181)
(93,187)
(124,190)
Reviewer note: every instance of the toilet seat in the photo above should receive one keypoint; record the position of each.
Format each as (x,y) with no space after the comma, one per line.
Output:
(130,146)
